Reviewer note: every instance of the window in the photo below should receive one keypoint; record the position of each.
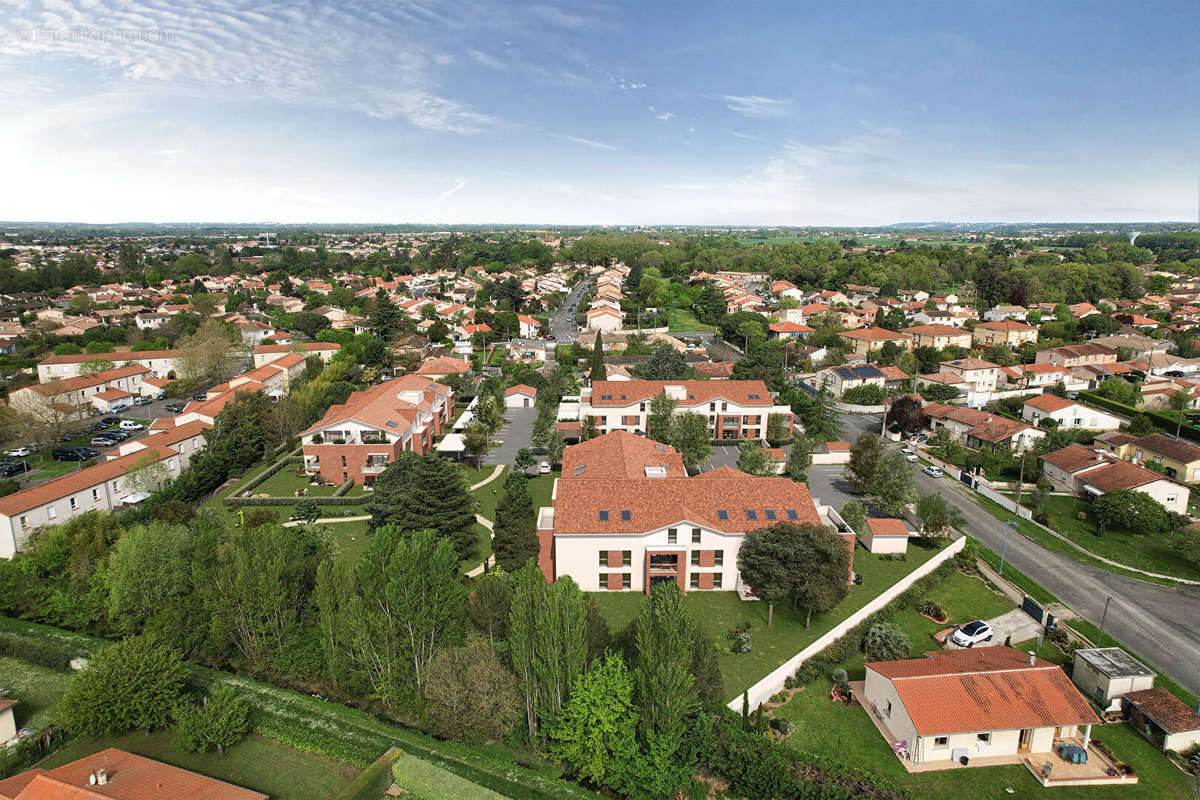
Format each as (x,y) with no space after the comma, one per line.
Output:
(769,514)
(626,580)
(694,580)
(791,514)
(626,557)
(1170,498)
(73,503)
(24,523)
(695,536)
(672,536)
(718,558)
(51,512)
(626,516)
(938,741)
(604,558)
(603,516)
(95,494)
(695,558)
(751,514)
(716,580)
(722,514)
(888,710)
(983,738)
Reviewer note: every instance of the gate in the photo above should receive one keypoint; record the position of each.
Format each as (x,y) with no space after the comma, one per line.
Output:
(1033,609)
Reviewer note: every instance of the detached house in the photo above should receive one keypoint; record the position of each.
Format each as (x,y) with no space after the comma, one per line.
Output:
(1069,414)
(1090,472)
(1077,355)
(938,336)
(865,340)
(356,440)
(1007,332)
(1179,460)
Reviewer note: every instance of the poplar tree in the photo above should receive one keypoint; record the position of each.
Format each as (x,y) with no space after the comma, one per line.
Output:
(515,539)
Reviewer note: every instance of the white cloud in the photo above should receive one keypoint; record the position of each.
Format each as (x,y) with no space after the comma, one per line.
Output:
(663,115)
(460,183)
(741,135)
(756,105)
(592,143)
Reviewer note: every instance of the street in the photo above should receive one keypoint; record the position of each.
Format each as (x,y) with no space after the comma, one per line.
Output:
(512,436)
(1155,621)
(562,323)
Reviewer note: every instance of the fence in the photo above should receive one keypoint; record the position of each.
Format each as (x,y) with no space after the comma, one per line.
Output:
(760,692)
(1006,587)
(850,408)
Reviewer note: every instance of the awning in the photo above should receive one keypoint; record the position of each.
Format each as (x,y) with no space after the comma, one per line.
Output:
(134,499)
(452,443)
(1092,490)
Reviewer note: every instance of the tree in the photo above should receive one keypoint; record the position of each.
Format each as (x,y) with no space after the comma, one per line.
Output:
(937,515)
(819,562)
(477,441)
(206,356)
(555,444)
(928,359)
(906,415)
(306,510)
(546,628)
(1121,391)
(385,317)
(131,685)
(865,454)
(308,323)
(470,696)
(596,364)
(665,364)
(854,515)
(692,437)
(819,417)
(489,604)
(150,584)
(764,569)
(427,491)
(661,417)
(514,538)
(524,459)
(588,429)
(885,641)
(752,458)
(778,429)
(220,720)
(595,735)
(799,459)
(751,334)
(1131,510)
(892,485)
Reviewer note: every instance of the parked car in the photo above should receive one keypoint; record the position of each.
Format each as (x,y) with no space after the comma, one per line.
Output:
(102,441)
(117,435)
(10,468)
(174,408)
(544,468)
(73,453)
(19,452)
(142,401)
(972,634)
(200,397)
(934,472)
(118,408)
(160,396)
(909,455)
(131,425)
(109,421)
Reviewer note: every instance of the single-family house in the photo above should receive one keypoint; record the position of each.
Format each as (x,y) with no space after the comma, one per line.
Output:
(996,313)
(836,380)
(1007,332)
(864,340)
(977,374)
(1077,355)
(520,396)
(1068,414)
(1090,472)
(938,336)
(1178,459)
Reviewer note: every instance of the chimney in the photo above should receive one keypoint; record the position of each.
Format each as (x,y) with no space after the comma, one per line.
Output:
(1032,659)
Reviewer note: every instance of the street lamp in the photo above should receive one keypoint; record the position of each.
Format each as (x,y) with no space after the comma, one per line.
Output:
(1008,526)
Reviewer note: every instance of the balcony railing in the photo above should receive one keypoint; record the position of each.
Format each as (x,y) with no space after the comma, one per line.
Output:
(374,467)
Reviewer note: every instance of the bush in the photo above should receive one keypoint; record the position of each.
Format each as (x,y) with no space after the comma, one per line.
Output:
(739,640)
(840,675)
(44,654)
(867,395)
(220,720)
(886,642)
(131,685)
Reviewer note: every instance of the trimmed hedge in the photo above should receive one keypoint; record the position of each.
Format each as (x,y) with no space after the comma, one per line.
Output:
(370,784)
(269,471)
(345,487)
(1165,421)
(291,501)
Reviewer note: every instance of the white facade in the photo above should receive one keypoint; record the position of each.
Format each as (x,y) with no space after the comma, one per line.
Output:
(1072,417)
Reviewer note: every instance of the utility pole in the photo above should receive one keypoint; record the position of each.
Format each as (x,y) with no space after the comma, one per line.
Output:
(1103,619)
(1020,482)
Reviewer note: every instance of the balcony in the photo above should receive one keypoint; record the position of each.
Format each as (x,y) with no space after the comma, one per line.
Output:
(374,467)
(664,562)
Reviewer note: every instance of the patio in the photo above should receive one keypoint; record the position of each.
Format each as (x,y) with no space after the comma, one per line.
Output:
(1098,770)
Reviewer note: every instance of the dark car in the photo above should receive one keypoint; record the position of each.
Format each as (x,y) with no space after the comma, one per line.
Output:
(73,453)
(117,436)
(174,408)
(10,468)
(110,420)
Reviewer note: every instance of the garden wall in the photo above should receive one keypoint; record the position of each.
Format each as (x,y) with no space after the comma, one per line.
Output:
(850,408)
(760,692)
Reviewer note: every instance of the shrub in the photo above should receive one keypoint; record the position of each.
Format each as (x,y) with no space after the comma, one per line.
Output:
(739,640)
(128,686)
(220,720)
(840,675)
(886,642)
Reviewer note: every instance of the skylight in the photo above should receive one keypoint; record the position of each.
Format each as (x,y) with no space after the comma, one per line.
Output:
(791,514)
(626,516)
(752,396)
(660,447)
(751,514)
(391,423)
(769,514)
(603,516)
(722,514)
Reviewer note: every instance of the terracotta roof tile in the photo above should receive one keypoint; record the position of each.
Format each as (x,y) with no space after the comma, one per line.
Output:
(874,335)
(1171,713)
(936,330)
(76,481)
(1050,402)
(1005,325)
(623,393)
(887,526)
(619,454)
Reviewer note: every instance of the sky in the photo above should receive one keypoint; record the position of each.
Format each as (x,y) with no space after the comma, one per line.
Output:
(508,111)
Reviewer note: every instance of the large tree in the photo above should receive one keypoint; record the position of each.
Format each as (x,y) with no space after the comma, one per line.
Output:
(665,364)
(818,416)
(891,487)
(864,459)
(661,419)
(753,459)
(595,735)
(937,515)
(470,696)
(692,437)
(428,491)
(131,685)
(799,459)
(821,566)
(1130,510)
(514,538)
(764,569)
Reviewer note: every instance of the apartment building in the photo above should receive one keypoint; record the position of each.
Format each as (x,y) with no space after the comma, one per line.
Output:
(734,409)
(938,336)
(160,363)
(77,396)
(977,374)
(626,516)
(1077,355)
(356,440)
(1007,332)
(266,353)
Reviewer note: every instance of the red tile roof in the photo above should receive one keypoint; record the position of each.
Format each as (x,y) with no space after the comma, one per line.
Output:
(443,366)
(288,348)
(520,388)
(984,689)
(887,526)
(1050,402)
(874,335)
(130,777)
(1005,325)
(936,330)
(124,355)
(1122,475)
(623,393)
(619,454)
(1171,713)
(1075,457)
(77,481)
(382,404)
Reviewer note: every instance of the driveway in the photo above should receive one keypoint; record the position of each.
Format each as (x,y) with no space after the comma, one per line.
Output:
(514,434)
(1015,624)
(1155,621)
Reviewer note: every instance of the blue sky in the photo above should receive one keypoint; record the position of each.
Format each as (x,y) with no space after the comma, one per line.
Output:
(643,112)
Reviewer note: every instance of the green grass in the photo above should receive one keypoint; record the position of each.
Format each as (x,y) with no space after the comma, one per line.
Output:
(285,483)
(717,612)
(254,763)
(425,781)
(682,319)
(1145,551)
(36,689)
(847,734)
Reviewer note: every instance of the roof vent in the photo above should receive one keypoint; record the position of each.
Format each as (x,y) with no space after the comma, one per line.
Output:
(1031,659)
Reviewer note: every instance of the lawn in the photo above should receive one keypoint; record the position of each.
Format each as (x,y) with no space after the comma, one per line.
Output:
(682,319)
(255,763)
(846,733)
(285,483)
(425,781)
(717,612)
(37,689)
(1145,551)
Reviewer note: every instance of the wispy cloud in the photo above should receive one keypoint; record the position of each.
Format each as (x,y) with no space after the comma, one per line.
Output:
(460,183)
(663,115)
(741,135)
(756,105)
(486,59)
(592,143)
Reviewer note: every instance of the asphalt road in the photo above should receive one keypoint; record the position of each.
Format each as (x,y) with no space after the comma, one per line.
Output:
(1160,623)
(562,322)
(513,435)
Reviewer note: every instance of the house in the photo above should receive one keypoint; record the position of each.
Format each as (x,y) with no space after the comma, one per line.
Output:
(734,409)
(865,340)
(789,330)
(528,326)
(977,374)
(118,775)
(1068,414)
(625,516)
(520,396)
(8,721)
(1077,355)
(1163,719)
(1179,460)
(982,430)
(997,313)
(1007,332)
(1140,347)
(74,397)
(266,353)
(356,440)
(108,485)
(885,535)
(1029,376)
(987,701)
(836,380)
(712,370)
(1106,674)
(938,336)
(605,318)
(160,363)
(442,367)
(1090,472)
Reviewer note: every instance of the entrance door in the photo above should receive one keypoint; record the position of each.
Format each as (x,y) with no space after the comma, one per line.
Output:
(1023,742)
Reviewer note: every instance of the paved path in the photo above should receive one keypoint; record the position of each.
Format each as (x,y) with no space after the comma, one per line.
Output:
(495,474)
(1155,621)
(491,559)
(328,520)
(512,436)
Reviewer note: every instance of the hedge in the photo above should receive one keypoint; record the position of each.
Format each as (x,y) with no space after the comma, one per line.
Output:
(269,471)
(291,501)
(345,487)
(425,781)
(1165,421)
(371,783)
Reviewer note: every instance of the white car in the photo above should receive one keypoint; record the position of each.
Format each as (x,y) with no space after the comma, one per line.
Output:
(972,634)
(909,455)
(130,425)
(544,468)
(934,472)
(19,452)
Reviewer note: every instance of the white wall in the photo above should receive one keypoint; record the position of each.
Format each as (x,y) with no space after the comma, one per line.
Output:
(577,554)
